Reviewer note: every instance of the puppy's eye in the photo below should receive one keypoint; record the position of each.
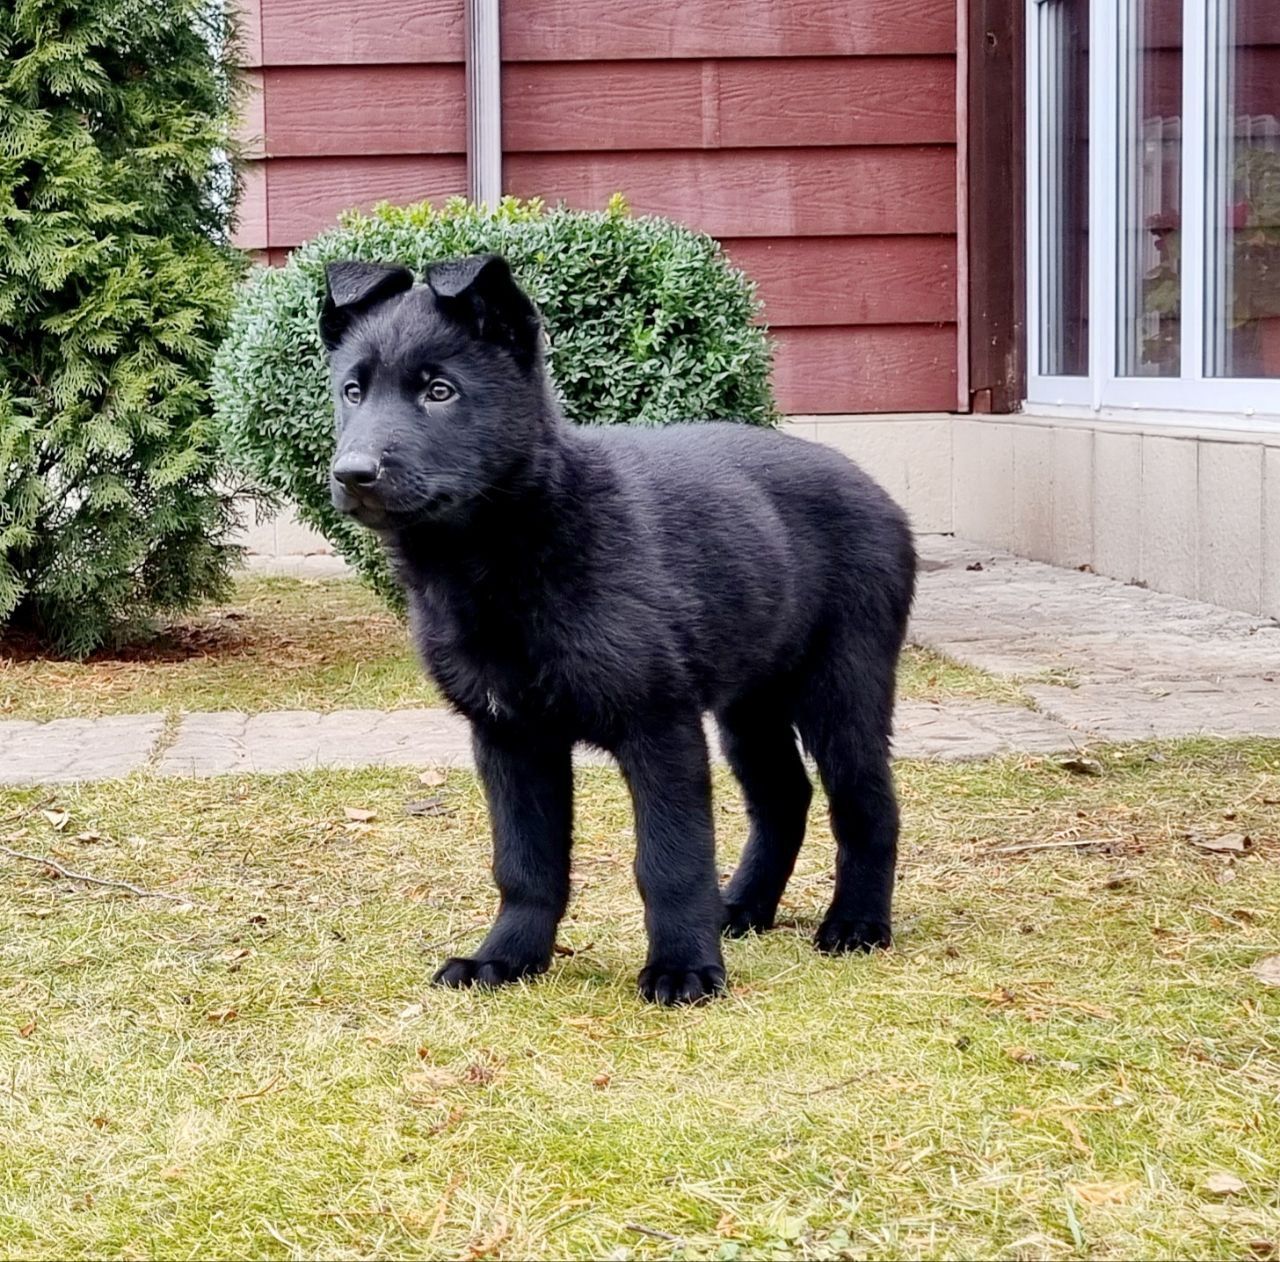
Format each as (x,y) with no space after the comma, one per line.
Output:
(351,392)
(438,391)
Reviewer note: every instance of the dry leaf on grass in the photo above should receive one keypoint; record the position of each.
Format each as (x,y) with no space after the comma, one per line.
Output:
(1222,1183)
(57,819)
(359,814)
(600,1081)
(1103,1193)
(429,806)
(221,1016)
(1080,765)
(28,1030)
(1228,843)
(1023,1055)
(431,779)
(488,1244)
(1268,971)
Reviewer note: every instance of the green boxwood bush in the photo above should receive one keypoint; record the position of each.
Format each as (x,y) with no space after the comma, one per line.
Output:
(648,325)
(115,287)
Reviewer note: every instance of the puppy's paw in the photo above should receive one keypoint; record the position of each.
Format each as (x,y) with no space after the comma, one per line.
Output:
(838,935)
(743,918)
(671,985)
(460,972)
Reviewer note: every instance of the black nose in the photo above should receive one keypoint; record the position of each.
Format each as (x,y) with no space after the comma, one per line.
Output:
(356,471)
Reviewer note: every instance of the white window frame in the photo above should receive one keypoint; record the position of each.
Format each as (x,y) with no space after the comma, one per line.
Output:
(1192,398)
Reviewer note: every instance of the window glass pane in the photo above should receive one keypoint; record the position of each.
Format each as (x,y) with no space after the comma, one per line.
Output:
(1149,185)
(1242,282)
(1062,121)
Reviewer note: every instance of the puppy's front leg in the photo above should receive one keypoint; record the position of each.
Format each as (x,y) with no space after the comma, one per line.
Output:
(528,780)
(670,782)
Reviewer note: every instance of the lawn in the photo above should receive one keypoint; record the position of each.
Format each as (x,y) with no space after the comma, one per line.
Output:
(302,644)
(1068,1054)
(279,644)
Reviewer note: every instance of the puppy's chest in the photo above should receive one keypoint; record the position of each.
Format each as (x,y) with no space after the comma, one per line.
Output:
(492,659)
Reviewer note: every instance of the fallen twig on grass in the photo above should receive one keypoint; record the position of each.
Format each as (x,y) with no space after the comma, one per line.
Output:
(1220,915)
(137,890)
(259,1093)
(830,1086)
(642,1230)
(25,811)
(1055,845)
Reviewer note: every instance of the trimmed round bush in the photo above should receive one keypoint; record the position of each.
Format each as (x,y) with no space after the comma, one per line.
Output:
(115,288)
(648,324)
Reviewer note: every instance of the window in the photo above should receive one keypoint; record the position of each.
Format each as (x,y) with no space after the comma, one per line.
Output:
(1153,165)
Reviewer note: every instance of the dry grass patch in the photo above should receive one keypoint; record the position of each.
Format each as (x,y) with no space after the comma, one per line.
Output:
(1067,1055)
(281,644)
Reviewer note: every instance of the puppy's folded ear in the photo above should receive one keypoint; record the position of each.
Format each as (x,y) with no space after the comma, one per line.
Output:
(354,287)
(480,293)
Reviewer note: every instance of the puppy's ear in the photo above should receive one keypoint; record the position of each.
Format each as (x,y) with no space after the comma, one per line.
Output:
(354,287)
(480,293)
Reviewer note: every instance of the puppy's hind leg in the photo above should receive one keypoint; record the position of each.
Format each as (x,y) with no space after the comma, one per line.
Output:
(845,719)
(761,748)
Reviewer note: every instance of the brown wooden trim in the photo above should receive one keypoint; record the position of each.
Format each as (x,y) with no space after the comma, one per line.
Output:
(996,206)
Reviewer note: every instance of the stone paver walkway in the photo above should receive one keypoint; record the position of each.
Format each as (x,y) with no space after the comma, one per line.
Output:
(1107,660)
(1101,660)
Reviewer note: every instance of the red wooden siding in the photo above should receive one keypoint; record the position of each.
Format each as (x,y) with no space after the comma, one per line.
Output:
(736,192)
(556,30)
(336,111)
(816,138)
(377,32)
(808,281)
(364,33)
(306,194)
(712,104)
(869,368)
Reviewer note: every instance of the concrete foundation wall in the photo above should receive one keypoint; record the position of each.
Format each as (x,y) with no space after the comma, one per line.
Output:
(1193,512)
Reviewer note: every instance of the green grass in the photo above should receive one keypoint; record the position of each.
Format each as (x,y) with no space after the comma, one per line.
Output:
(1063,1047)
(926,675)
(304,644)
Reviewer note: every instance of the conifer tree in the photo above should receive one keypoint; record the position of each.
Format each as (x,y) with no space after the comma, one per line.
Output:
(116,283)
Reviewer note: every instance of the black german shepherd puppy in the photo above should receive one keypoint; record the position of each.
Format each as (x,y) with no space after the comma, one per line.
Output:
(612,586)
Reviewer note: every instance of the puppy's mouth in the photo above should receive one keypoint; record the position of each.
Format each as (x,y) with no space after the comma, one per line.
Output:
(372,511)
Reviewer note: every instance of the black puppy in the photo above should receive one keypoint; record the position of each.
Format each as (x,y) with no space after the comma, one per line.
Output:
(612,586)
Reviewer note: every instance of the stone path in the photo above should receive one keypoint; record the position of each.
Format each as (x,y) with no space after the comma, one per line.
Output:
(1107,660)
(1102,661)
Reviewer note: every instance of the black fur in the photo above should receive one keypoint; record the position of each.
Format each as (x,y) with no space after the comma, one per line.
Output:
(612,586)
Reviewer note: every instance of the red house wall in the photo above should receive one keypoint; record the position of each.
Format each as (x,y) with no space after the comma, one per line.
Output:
(815,138)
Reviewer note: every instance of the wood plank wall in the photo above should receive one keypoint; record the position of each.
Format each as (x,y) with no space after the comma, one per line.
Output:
(815,138)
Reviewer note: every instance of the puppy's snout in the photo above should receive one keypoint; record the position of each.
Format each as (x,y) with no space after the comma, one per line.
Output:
(356,471)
